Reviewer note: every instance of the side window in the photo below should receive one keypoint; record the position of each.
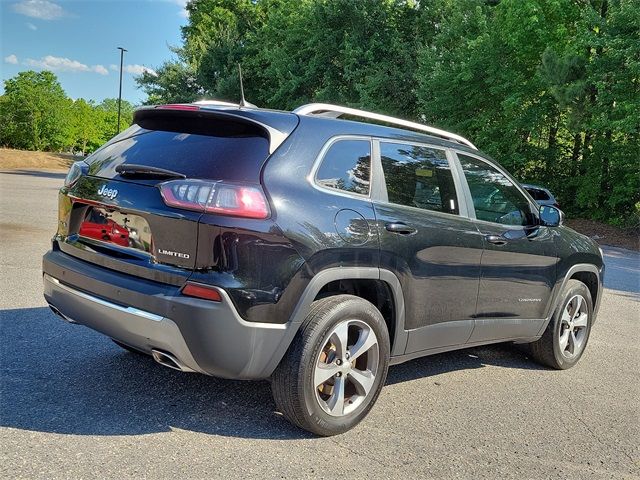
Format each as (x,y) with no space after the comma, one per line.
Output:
(418,176)
(346,166)
(495,198)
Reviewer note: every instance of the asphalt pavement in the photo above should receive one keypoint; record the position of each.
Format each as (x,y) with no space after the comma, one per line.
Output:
(74,405)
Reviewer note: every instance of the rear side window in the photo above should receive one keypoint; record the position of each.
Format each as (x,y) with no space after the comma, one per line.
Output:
(347,166)
(418,176)
(222,151)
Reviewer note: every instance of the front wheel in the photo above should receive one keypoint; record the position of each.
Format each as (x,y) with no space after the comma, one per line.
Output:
(335,367)
(566,336)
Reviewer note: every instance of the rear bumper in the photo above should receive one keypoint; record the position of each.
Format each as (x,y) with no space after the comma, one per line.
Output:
(203,336)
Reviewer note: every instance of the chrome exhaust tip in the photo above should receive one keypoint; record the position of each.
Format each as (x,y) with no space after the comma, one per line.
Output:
(168,360)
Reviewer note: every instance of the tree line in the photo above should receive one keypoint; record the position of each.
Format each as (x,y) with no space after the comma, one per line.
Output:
(37,114)
(549,88)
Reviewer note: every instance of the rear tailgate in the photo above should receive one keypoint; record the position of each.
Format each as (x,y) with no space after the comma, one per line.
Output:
(121,221)
(130,230)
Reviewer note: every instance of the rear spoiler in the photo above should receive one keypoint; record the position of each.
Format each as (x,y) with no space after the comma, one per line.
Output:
(276,126)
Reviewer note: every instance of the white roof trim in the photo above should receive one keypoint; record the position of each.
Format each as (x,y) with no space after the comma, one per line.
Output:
(335,111)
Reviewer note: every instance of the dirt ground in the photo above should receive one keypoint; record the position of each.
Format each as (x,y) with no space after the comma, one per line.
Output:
(25,160)
(606,234)
(11,159)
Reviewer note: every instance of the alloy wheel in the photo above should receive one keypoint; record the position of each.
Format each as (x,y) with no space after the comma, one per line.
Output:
(573,327)
(346,367)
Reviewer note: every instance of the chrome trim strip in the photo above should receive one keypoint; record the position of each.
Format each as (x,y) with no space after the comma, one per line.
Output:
(130,310)
(336,111)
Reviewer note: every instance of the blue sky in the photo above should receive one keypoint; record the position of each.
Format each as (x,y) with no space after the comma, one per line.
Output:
(78,41)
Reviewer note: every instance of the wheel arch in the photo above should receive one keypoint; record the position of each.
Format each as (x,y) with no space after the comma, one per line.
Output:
(591,276)
(590,279)
(588,274)
(358,281)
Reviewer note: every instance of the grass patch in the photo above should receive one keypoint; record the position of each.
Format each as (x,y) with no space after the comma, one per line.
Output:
(11,159)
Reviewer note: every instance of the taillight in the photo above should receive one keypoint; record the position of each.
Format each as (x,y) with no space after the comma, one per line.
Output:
(202,291)
(75,172)
(216,197)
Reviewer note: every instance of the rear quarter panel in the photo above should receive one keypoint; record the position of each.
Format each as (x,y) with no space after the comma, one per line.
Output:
(307,215)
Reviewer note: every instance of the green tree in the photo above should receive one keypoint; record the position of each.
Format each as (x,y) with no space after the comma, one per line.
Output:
(85,126)
(550,88)
(359,53)
(355,53)
(214,41)
(35,112)
(108,117)
(610,185)
(175,82)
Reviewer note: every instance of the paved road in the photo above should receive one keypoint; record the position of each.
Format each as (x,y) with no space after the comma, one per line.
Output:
(73,405)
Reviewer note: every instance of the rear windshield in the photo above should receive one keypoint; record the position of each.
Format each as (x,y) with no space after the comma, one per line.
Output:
(219,150)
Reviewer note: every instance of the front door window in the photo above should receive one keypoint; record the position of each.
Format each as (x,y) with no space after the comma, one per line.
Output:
(495,198)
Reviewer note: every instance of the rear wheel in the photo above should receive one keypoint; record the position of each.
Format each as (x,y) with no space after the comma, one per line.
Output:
(335,367)
(566,336)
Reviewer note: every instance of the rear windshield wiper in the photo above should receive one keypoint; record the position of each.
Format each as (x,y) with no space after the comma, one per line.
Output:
(133,170)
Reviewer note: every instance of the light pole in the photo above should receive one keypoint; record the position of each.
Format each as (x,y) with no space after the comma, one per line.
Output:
(122,50)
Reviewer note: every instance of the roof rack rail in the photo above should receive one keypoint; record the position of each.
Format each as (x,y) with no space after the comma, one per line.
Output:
(336,111)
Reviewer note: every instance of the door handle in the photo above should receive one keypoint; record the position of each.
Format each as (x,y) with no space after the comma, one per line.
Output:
(399,227)
(496,239)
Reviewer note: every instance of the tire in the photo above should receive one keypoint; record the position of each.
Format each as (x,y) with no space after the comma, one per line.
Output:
(315,353)
(128,348)
(567,327)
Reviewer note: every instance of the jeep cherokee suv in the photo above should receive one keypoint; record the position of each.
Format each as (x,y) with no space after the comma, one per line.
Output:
(313,251)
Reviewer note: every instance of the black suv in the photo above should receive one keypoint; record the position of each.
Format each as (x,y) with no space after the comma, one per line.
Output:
(313,251)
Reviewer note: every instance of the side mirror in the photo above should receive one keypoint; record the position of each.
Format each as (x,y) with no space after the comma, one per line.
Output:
(551,216)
